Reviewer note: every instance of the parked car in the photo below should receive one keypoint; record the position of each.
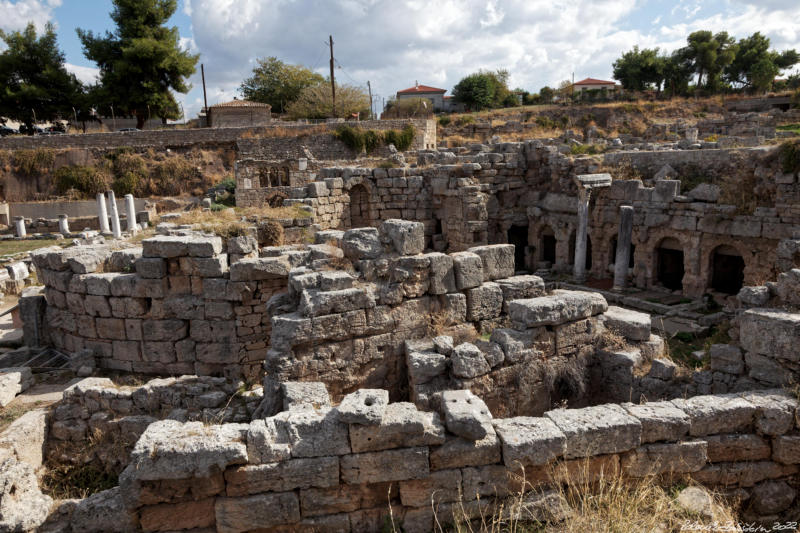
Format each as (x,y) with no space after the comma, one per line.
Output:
(5,130)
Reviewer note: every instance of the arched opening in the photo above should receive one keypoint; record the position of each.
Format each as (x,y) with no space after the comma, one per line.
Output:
(727,270)
(276,200)
(285,177)
(669,264)
(613,250)
(359,207)
(548,245)
(518,236)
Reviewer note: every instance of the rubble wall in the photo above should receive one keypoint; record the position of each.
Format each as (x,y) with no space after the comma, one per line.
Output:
(340,469)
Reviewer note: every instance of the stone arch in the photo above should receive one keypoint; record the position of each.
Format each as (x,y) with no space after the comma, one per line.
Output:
(361,209)
(726,269)
(285,177)
(276,199)
(668,264)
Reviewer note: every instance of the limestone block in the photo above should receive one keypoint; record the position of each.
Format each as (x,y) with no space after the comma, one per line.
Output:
(775,410)
(442,275)
(23,507)
(99,284)
(402,425)
(465,414)
(766,369)
(315,303)
(102,512)
(736,447)
(772,497)
(516,345)
(161,330)
(529,441)
(443,344)
(361,243)
(786,449)
(262,268)
(263,445)
(789,286)
(492,352)
(705,192)
(662,369)
(497,260)
(242,245)
(387,465)
(632,325)
(440,487)
(123,284)
(236,515)
(468,269)
(457,452)
(489,481)
(25,437)
(726,358)
(405,236)
(711,415)
(13,381)
(520,288)
(597,430)
(754,296)
(320,472)
(668,458)
(770,332)
(335,280)
(304,394)
(177,516)
(468,362)
(317,189)
(660,421)
(313,432)
(484,302)
(558,308)
(424,366)
(205,267)
(19,270)
(364,406)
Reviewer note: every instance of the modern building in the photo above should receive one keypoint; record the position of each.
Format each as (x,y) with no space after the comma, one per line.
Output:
(593,84)
(435,95)
(239,113)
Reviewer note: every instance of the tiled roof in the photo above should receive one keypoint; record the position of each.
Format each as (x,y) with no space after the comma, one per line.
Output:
(421,89)
(594,81)
(241,103)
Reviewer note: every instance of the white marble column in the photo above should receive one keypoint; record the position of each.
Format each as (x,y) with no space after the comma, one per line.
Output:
(579,268)
(112,205)
(102,213)
(623,247)
(63,225)
(20,223)
(130,212)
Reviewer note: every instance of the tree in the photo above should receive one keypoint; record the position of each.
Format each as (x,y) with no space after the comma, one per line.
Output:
(677,69)
(278,84)
(546,94)
(638,70)
(482,90)
(141,61)
(710,54)
(33,78)
(316,101)
(755,66)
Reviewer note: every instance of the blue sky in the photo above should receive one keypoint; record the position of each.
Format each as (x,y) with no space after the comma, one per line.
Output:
(394,43)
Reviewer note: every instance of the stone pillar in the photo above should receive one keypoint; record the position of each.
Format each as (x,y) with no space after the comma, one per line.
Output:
(19,222)
(623,247)
(112,205)
(579,268)
(102,214)
(130,212)
(63,224)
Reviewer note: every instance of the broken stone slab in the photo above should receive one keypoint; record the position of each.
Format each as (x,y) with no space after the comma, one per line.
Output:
(788,287)
(520,288)
(457,452)
(468,362)
(726,358)
(492,352)
(304,394)
(705,192)
(335,280)
(364,406)
(661,421)
(25,437)
(23,507)
(18,270)
(484,302)
(443,344)
(497,260)
(387,465)
(406,237)
(632,325)
(261,268)
(465,414)
(516,345)
(402,426)
(711,415)
(442,276)
(313,432)
(530,441)
(316,303)
(558,308)
(662,369)
(123,260)
(263,445)
(169,246)
(13,381)
(102,512)
(770,332)
(597,430)
(424,366)
(775,414)
(468,268)
(361,243)
(757,296)
(666,458)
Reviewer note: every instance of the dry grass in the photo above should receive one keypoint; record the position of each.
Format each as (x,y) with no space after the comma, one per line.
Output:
(14,410)
(236,221)
(285,131)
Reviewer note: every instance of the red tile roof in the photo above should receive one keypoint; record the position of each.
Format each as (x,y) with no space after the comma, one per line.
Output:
(241,103)
(421,89)
(594,81)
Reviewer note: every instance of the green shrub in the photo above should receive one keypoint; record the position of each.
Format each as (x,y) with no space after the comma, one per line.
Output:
(401,140)
(32,162)
(789,154)
(352,137)
(88,181)
(585,149)
(360,140)
(372,140)
(172,175)
(229,184)
(546,122)
(126,184)
(128,163)
(444,120)
(218,207)
(463,120)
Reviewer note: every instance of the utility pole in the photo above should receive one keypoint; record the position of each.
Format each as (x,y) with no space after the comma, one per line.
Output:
(333,81)
(369,87)
(205,101)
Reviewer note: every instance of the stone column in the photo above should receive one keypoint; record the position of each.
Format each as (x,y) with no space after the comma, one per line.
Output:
(623,247)
(102,214)
(19,222)
(63,224)
(130,212)
(112,204)
(579,268)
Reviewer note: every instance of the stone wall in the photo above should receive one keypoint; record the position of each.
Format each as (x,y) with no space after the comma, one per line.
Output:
(346,468)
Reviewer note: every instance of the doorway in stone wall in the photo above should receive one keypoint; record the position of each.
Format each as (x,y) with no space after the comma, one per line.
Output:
(669,264)
(548,246)
(359,207)
(518,236)
(727,269)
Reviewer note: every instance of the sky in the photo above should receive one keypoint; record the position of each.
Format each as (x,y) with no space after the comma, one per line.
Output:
(395,43)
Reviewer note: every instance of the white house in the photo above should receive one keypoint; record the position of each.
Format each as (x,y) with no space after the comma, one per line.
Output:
(590,84)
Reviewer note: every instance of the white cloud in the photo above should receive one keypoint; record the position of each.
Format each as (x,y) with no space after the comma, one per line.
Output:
(87,75)
(15,15)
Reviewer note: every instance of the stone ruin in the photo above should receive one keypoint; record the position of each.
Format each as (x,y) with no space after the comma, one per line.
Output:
(426,345)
